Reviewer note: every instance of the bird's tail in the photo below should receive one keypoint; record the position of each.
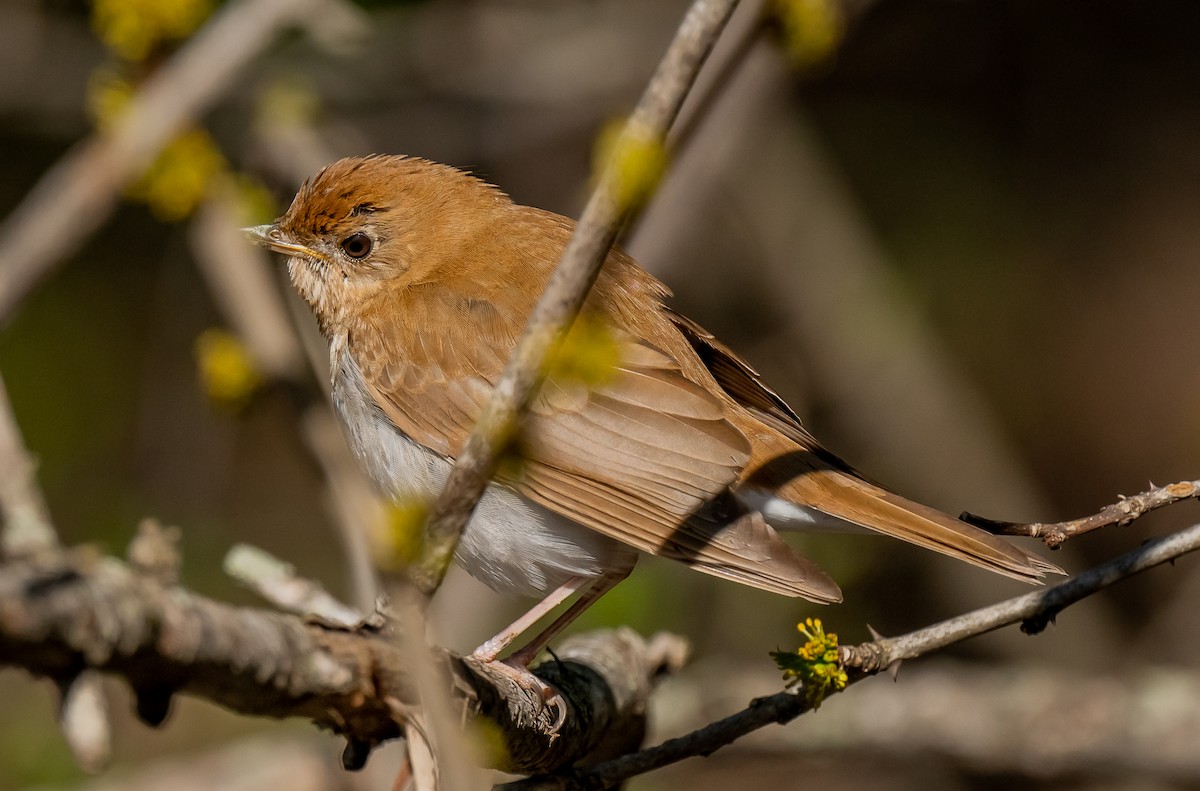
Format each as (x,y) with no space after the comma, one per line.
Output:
(843,495)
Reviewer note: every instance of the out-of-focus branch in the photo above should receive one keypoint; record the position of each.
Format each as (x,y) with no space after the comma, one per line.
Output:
(277,582)
(76,195)
(564,294)
(239,276)
(1121,513)
(241,282)
(28,532)
(1034,611)
(67,610)
(756,165)
(27,527)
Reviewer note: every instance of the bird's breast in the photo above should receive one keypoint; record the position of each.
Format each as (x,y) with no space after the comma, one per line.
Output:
(511,544)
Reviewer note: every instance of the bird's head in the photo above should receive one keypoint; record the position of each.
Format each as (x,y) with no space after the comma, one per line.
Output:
(367,223)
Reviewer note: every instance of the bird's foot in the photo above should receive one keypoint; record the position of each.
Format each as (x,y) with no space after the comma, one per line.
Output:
(516,671)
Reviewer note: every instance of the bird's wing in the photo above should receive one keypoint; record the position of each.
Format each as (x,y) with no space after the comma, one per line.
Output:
(744,385)
(640,453)
(815,477)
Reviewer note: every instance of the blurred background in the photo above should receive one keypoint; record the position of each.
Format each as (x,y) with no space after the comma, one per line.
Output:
(959,237)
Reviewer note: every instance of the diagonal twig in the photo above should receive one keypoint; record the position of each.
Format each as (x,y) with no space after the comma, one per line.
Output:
(76,195)
(564,295)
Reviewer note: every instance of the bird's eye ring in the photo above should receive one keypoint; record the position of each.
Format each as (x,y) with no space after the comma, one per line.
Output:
(357,245)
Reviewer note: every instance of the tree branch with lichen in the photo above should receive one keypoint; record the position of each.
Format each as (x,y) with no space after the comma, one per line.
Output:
(68,611)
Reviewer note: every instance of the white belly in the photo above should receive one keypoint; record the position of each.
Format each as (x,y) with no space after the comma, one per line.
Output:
(510,544)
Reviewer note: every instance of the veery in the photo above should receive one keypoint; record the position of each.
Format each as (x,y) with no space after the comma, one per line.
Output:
(422,277)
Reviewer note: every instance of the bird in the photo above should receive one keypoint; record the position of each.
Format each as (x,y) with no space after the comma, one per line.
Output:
(422,276)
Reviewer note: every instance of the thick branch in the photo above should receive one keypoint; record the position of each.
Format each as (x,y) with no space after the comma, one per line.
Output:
(563,297)
(61,613)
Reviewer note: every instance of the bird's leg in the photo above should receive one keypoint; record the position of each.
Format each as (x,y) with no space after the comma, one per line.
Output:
(491,649)
(517,665)
(600,586)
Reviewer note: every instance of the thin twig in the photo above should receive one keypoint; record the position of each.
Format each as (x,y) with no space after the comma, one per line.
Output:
(1034,611)
(277,582)
(563,297)
(79,192)
(1120,513)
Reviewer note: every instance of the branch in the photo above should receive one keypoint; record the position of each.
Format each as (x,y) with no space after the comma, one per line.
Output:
(27,527)
(240,279)
(1020,719)
(76,195)
(277,582)
(27,532)
(1122,512)
(564,295)
(63,612)
(1034,611)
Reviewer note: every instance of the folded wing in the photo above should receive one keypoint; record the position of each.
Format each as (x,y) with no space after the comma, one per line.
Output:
(644,455)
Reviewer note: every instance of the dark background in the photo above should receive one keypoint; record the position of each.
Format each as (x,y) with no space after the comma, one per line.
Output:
(964,249)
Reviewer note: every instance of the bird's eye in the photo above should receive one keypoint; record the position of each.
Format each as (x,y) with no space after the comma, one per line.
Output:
(357,245)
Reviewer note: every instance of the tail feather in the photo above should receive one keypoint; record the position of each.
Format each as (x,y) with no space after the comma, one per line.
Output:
(842,495)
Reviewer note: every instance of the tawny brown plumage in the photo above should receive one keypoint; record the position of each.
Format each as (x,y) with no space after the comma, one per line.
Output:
(672,455)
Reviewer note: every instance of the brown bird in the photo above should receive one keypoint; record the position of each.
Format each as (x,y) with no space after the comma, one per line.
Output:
(422,278)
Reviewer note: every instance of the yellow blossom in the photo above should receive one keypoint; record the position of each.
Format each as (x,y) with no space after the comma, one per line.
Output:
(180,176)
(133,29)
(179,179)
(108,93)
(399,543)
(815,666)
(638,160)
(227,372)
(812,29)
(588,355)
(255,203)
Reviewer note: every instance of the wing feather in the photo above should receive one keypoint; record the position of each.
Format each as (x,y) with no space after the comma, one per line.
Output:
(638,457)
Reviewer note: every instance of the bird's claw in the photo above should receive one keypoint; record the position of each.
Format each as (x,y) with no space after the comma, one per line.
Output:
(547,696)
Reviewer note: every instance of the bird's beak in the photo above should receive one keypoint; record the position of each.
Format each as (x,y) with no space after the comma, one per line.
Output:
(270,237)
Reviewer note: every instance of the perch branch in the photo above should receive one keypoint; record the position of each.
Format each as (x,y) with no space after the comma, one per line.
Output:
(1121,513)
(69,611)
(563,297)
